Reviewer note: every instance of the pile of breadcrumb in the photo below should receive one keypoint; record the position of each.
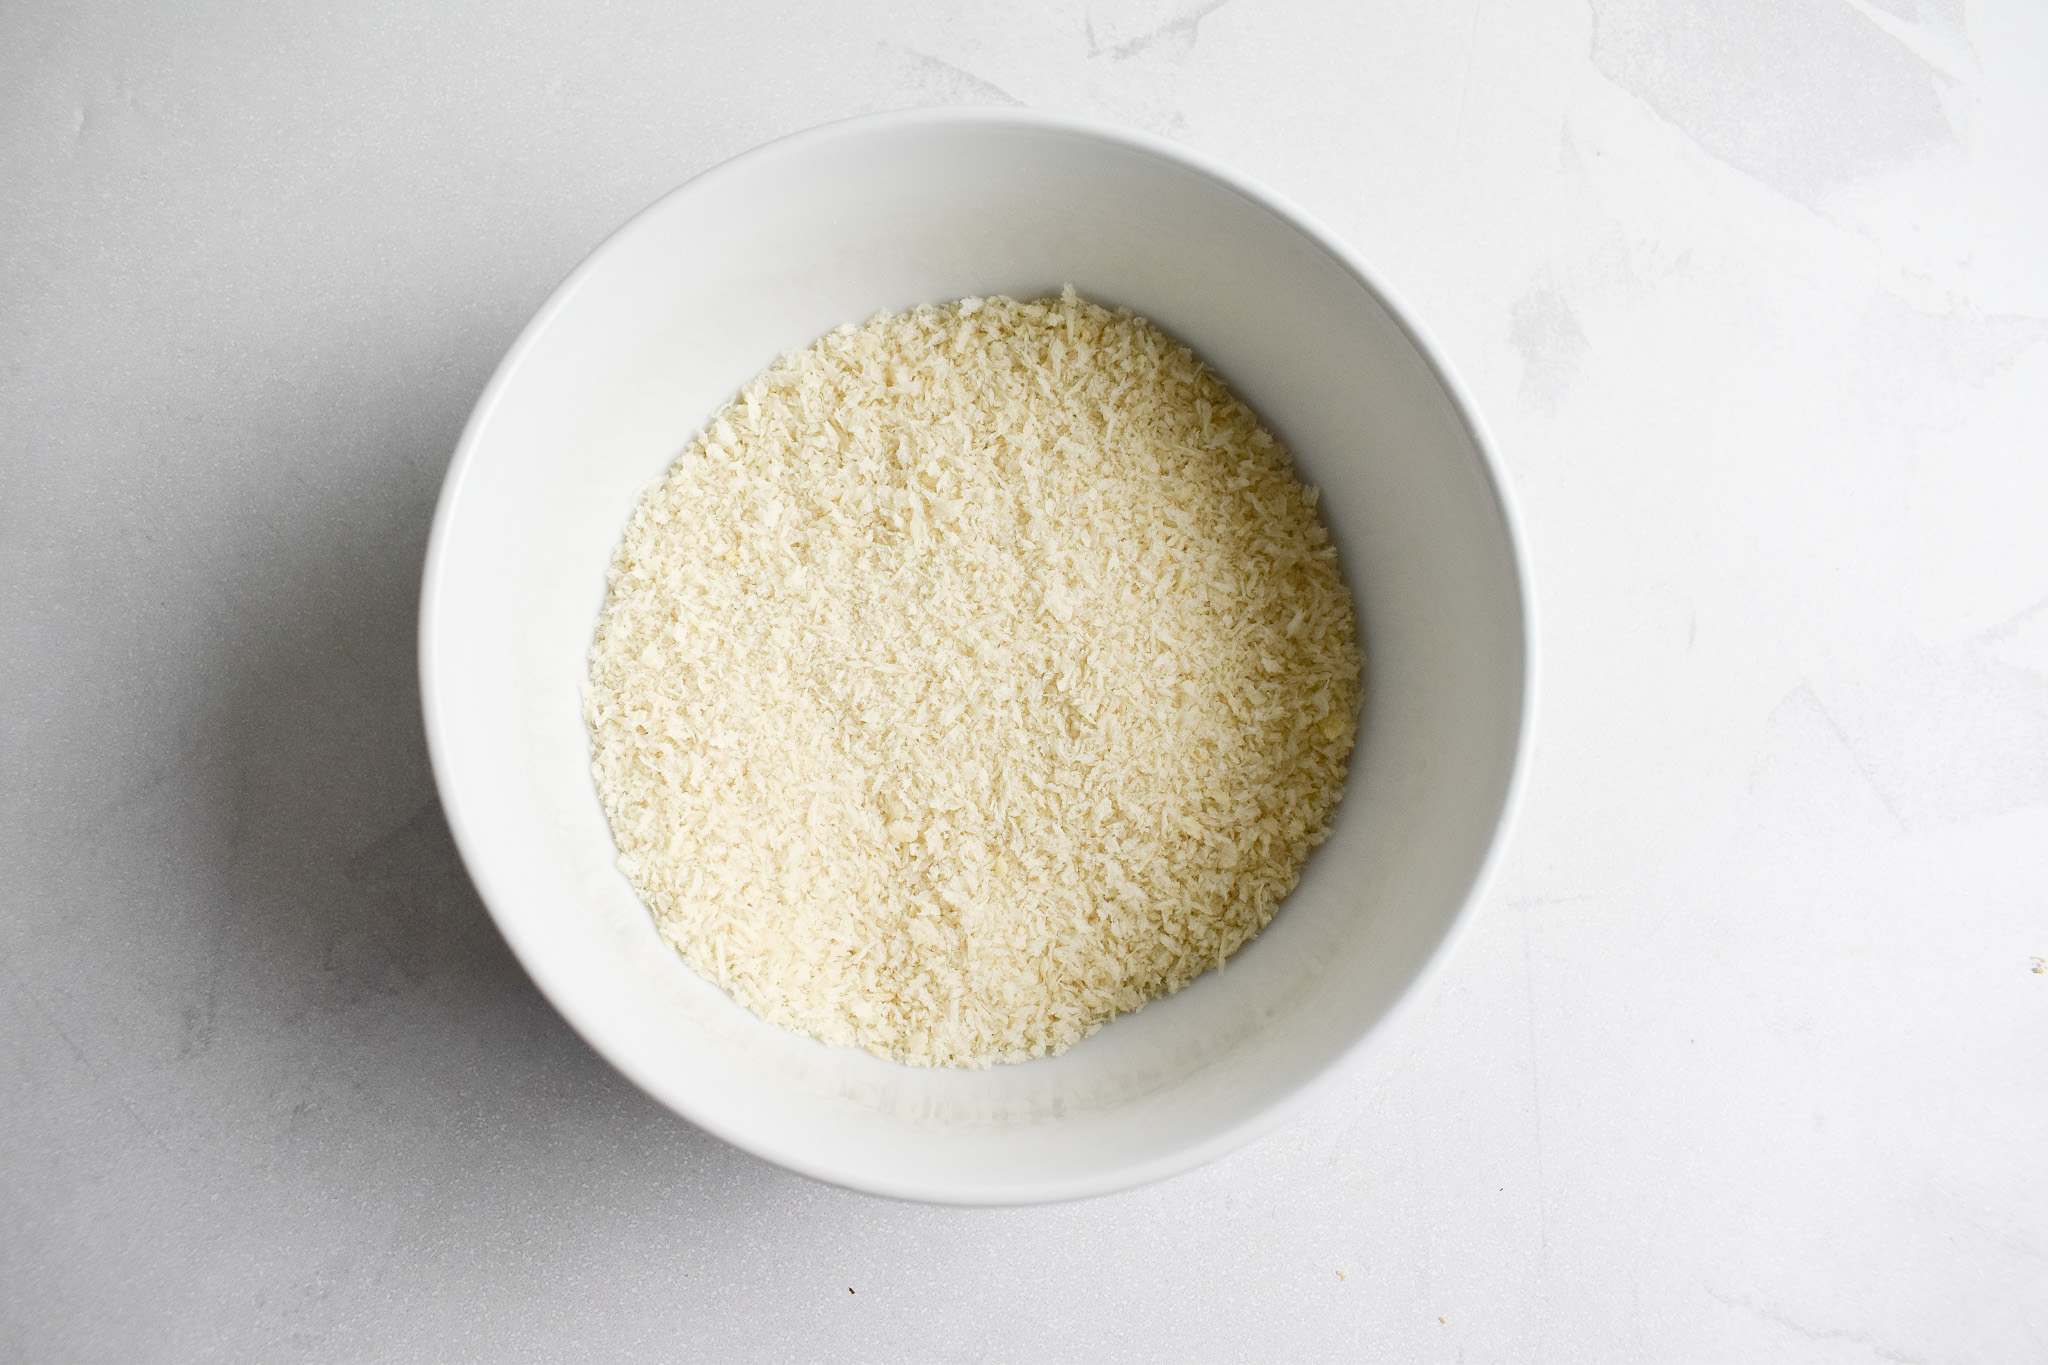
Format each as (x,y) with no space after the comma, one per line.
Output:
(979,673)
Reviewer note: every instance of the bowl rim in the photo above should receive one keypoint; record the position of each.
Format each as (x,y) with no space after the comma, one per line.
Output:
(563,996)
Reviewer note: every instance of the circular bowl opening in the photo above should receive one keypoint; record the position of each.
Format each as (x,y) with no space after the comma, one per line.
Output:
(767,252)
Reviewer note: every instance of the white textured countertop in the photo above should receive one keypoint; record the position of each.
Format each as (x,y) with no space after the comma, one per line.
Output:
(1747,1055)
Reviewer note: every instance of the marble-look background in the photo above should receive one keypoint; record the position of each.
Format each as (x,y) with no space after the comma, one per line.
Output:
(1747,1056)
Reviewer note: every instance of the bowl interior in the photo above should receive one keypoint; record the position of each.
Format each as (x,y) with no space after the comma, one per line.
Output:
(697,295)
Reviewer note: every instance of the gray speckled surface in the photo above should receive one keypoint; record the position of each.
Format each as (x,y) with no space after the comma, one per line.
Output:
(1745,1058)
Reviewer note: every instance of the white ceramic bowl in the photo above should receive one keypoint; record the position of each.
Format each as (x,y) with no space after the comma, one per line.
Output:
(769,251)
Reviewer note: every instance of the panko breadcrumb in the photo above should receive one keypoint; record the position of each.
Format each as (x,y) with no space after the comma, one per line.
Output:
(979,673)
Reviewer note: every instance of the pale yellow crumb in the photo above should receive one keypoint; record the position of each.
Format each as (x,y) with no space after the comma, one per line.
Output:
(977,674)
